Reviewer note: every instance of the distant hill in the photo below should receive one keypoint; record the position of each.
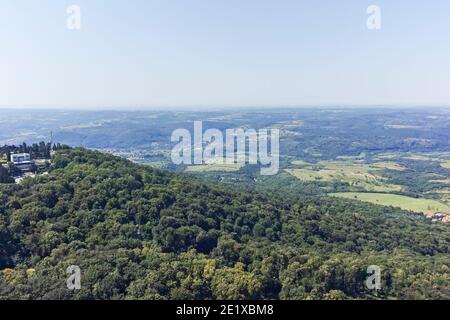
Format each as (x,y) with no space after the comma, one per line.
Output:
(141,233)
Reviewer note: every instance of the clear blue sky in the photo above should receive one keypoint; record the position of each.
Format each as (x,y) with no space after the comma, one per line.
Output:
(224,53)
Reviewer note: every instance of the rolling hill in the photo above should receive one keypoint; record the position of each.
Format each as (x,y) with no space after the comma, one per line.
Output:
(141,233)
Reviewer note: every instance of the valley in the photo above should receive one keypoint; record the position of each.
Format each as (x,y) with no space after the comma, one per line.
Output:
(403,152)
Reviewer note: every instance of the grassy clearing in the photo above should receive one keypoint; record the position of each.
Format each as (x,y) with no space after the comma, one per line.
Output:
(362,156)
(390,165)
(216,167)
(402,126)
(387,156)
(419,157)
(426,206)
(445,164)
(301,163)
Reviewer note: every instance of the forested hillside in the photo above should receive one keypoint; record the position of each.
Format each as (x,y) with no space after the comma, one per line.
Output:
(140,233)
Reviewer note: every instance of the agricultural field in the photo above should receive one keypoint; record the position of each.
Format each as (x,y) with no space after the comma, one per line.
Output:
(426,206)
(442,158)
(387,165)
(442,194)
(421,174)
(358,175)
(442,180)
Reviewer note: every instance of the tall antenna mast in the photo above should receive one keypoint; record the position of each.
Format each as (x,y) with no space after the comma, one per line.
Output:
(51,144)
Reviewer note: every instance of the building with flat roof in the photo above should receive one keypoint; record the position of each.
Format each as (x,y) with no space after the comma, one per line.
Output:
(20,158)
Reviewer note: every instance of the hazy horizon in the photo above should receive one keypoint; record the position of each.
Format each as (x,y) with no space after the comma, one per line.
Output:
(228,108)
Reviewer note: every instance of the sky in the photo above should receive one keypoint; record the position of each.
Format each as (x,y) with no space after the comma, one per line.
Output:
(210,53)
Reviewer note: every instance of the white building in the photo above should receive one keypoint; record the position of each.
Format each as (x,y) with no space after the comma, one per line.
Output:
(20,158)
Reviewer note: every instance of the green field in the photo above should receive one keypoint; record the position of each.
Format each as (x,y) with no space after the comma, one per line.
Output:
(426,206)
(445,164)
(358,175)
(301,163)
(216,167)
(444,181)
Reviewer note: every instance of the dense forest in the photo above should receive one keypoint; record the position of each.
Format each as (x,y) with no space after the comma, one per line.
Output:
(5,176)
(141,233)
